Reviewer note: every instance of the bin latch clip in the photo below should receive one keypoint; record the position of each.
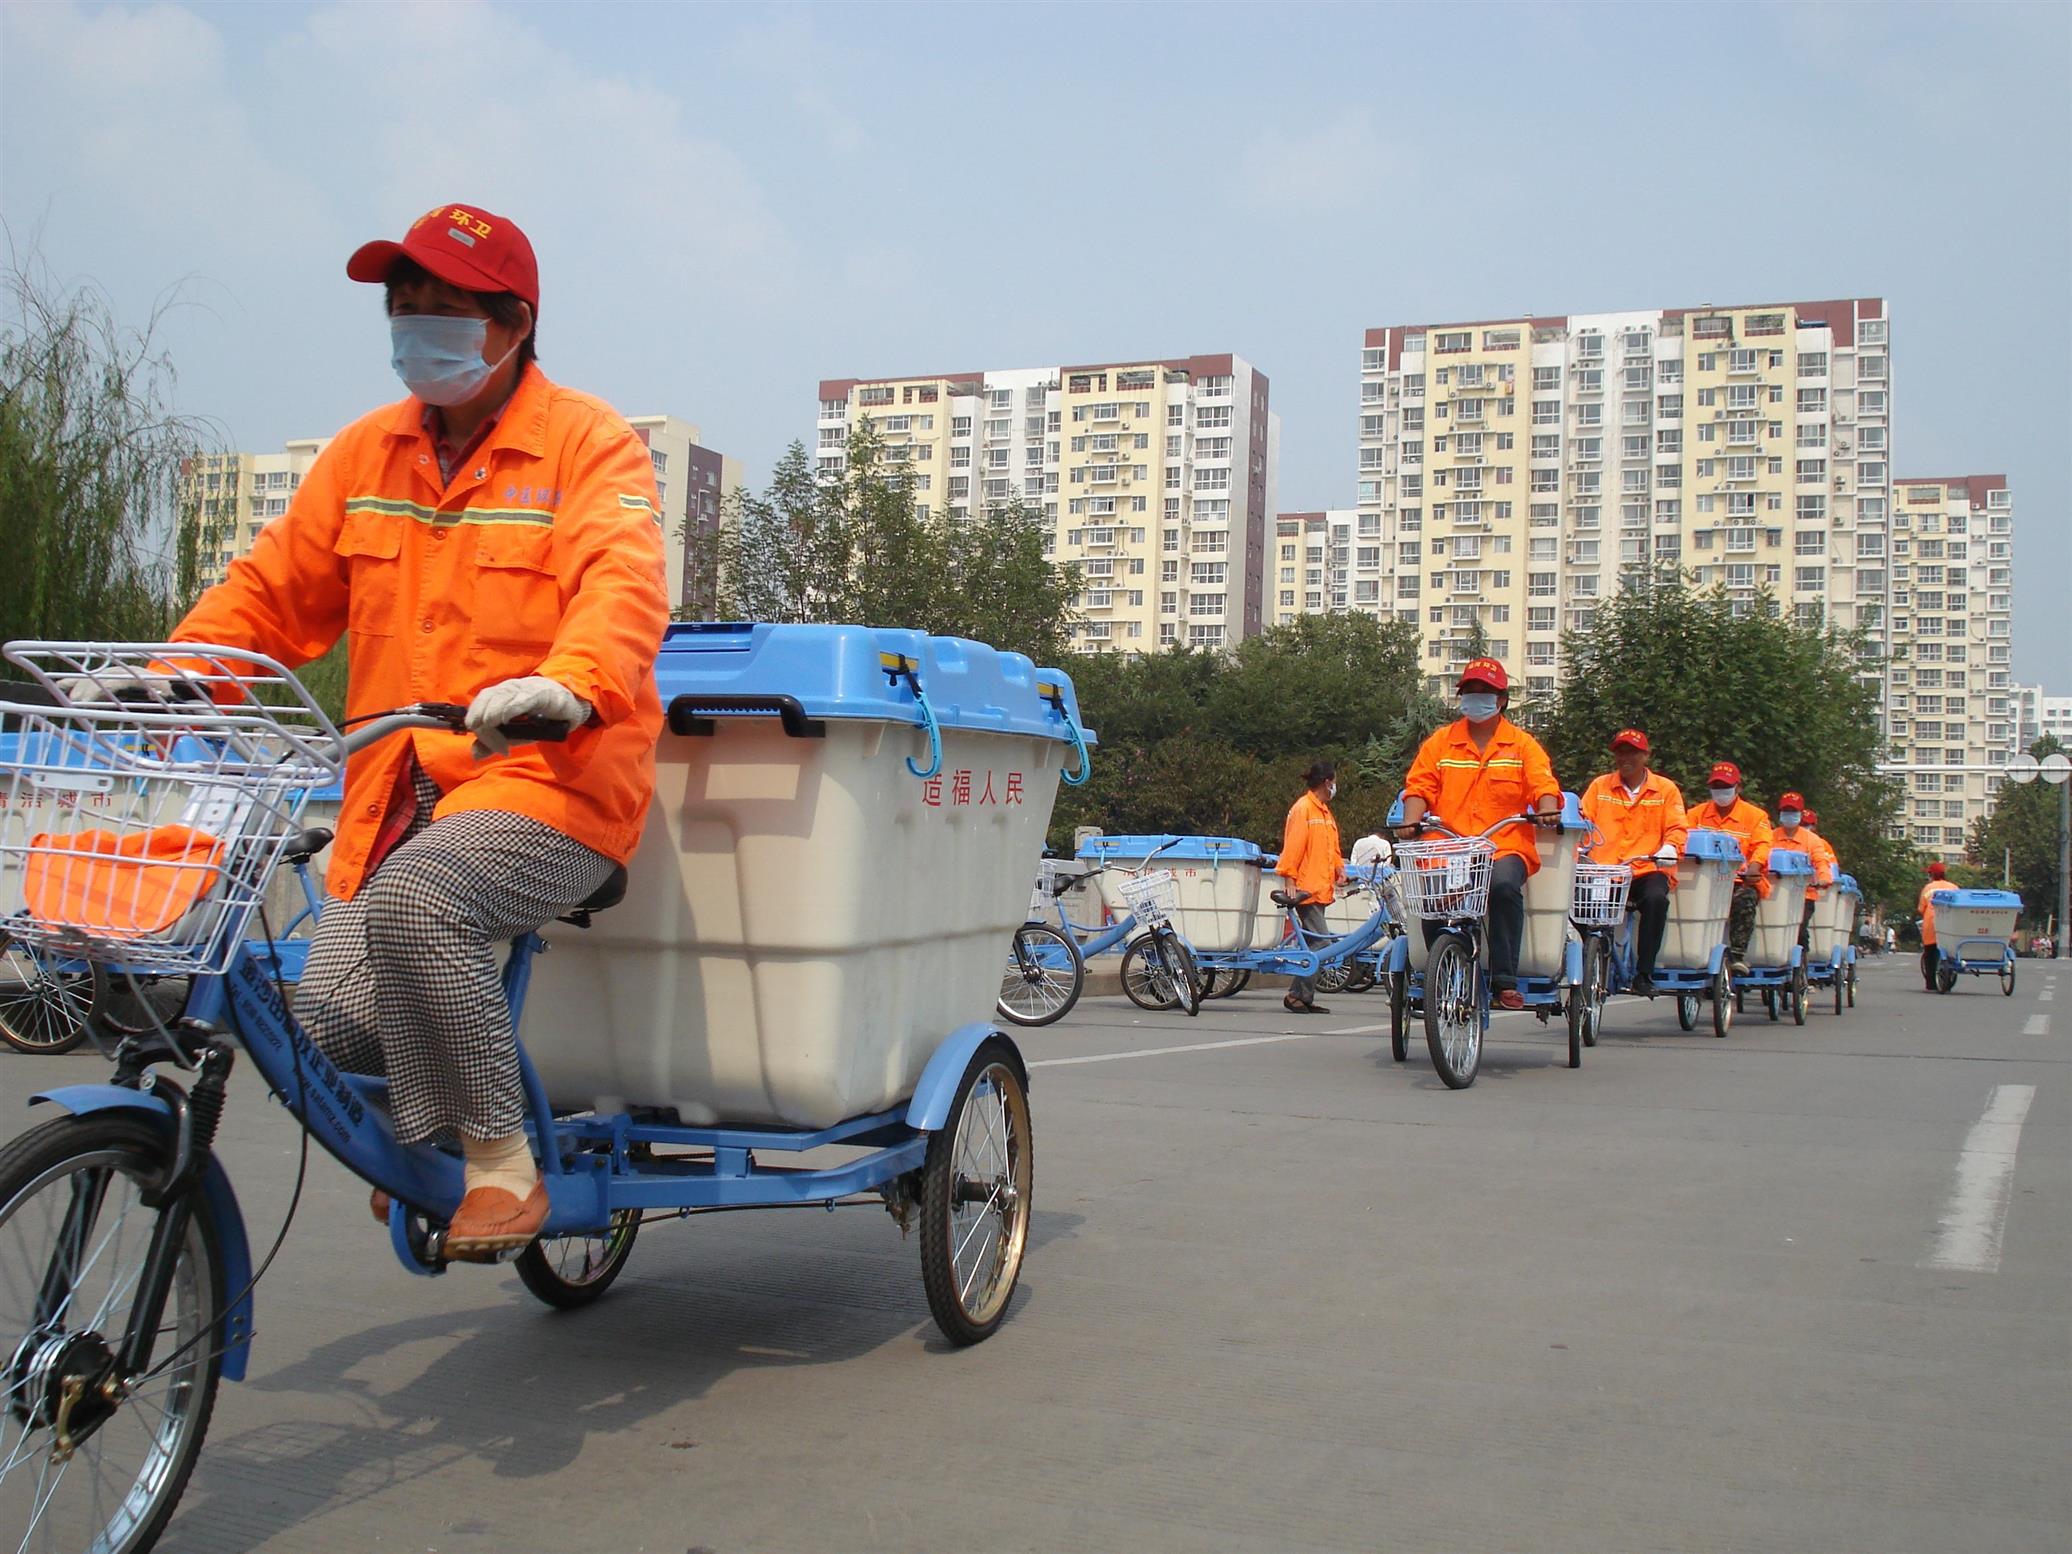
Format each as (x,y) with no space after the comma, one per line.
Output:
(898,667)
(1054,693)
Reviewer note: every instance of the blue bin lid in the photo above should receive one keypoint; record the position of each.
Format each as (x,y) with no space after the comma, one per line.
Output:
(2002,900)
(1848,886)
(1789,860)
(1192,849)
(1713,846)
(847,672)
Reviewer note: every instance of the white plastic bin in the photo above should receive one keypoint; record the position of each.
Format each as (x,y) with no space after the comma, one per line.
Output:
(1550,892)
(1702,901)
(1834,920)
(1218,876)
(1974,915)
(1777,917)
(1270,921)
(806,919)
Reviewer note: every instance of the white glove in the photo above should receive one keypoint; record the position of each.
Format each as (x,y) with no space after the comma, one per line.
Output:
(113,686)
(529,696)
(1666,858)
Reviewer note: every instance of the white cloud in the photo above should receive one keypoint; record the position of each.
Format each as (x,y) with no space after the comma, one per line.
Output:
(1337,164)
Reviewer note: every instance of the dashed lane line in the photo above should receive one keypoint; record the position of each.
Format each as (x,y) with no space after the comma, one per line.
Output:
(2039,1025)
(1976,1217)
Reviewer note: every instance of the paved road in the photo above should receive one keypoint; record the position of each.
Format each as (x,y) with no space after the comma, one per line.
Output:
(1284,1295)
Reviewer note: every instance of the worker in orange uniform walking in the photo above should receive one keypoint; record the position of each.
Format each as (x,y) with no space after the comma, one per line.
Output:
(1931,957)
(1475,771)
(1312,865)
(1792,832)
(1726,810)
(1639,815)
(493,540)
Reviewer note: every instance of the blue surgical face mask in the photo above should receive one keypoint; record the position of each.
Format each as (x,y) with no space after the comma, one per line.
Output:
(1787,818)
(1478,706)
(1723,797)
(439,358)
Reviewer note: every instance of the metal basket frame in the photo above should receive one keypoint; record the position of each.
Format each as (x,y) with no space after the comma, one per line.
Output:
(1153,898)
(1445,878)
(147,830)
(1043,901)
(1600,892)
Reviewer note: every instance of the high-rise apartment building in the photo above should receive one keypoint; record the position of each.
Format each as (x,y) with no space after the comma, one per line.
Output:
(692,481)
(1309,571)
(1156,478)
(1952,700)
(2037,713)
(234,495)
(1513,470)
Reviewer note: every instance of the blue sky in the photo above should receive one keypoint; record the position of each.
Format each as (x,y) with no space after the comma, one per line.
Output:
(732,202)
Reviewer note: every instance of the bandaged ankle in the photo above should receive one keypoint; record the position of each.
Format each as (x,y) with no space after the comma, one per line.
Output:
(504,1162)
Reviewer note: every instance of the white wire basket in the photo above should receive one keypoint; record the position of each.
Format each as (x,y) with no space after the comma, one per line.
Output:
(1153,898)
(1446,877)
(1043,900)
(1600,894)
(144,809)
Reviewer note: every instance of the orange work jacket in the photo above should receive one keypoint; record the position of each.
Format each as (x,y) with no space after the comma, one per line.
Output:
(1635,823)
(1310,858)
(541,556)
(1747,822)
(1926,906)
(1815,847)
(1471,790)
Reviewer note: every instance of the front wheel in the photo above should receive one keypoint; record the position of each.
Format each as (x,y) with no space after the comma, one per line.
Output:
(1187,987)
(1044,976)
(975,1197)
(1586,1002)
(1453,1011)
(1725,1000)
(41,1009)
(1798,995)
(1399,1015)
(1147,976)
(569,1272)
(1841,989)
(92,1457)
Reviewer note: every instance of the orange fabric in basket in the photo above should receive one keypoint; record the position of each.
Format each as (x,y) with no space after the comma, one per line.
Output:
(119,887)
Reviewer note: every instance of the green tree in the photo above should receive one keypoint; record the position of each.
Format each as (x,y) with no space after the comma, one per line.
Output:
(96,519)
(1712,681)
(864,551)
(2021,834)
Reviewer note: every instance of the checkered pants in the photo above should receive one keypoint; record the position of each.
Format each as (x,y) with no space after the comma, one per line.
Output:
(406,979)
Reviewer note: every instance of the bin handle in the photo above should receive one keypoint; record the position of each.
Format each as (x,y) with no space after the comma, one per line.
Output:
(684,713)
(1055,695)
(898,667)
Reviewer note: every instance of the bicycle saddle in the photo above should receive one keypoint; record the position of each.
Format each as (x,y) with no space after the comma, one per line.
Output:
(306,846)
(609,894)
(1285,898)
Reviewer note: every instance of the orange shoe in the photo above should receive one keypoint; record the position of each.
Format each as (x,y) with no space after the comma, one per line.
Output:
(490,1222)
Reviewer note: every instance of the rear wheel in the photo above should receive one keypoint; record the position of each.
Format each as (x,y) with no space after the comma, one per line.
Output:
(91,1457)
(1841,989)
(1333,975)
(1223,984)
(1798,995)
(1044,976)
(1852,984)
(1770,1003)
(1725,1000)
(2007,978)
(1399,1015)
(41,1009)
(1687,1011)
(975,1197)
(1453,1011)
(1945,979)
(569,1272)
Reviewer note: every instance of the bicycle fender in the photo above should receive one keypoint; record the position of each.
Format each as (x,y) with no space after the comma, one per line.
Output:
(937,1091)
(231,1243)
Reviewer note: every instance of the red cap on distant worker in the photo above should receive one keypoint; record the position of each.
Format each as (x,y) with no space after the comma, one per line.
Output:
(1792,801)
(464,246)
(1936,871)
(1811,818)
(1630,739)
(1484,671)
(1725,774)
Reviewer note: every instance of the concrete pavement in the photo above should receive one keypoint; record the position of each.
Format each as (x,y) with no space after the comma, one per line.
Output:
(1283,1294)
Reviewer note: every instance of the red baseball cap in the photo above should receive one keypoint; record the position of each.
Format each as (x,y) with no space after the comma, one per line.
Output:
(1485,671)
(1725,774)
(1936,871)
(1810,817)
(1795,801)
(1631,738)
(464,246)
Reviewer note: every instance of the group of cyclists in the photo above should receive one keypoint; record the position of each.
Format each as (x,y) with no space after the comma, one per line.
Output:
(1481,770)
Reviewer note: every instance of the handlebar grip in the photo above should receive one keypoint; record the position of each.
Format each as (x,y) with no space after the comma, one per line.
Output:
(550,731)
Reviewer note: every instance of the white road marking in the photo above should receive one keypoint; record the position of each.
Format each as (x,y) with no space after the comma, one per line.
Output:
(1195,1046)
(1973,1223)
(2039,1025)
(2046,995)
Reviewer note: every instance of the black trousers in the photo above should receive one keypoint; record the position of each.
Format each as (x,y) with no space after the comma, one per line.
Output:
(1931,958)
(1506,920)
(1649,901)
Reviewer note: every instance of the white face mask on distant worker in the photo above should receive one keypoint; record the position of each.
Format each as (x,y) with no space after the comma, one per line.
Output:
(1724,797)
(1478,706)
(1331,789)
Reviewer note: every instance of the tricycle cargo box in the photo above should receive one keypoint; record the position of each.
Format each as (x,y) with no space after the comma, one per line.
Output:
(817,900)
(1702,900)
(1975,914)
(1218,879)
(1778,915)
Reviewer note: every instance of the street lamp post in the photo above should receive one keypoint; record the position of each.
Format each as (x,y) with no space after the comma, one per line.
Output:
(2055,769)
